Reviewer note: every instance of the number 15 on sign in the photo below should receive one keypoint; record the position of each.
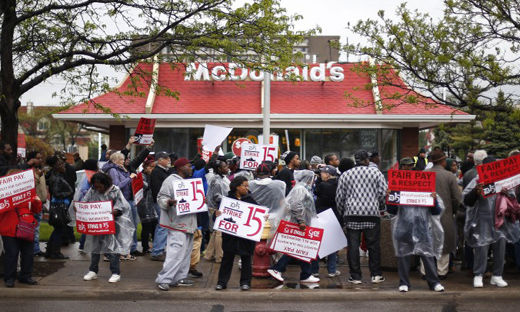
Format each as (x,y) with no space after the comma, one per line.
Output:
(190,196)
(241,219)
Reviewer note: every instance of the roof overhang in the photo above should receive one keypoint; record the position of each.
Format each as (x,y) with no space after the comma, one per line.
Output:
(344,121)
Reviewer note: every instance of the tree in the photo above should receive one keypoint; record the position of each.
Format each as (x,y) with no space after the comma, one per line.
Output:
(40,39)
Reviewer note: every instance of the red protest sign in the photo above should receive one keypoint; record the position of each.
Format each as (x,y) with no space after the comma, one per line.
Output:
(409,187)
(21,146)
(95,218)
(16,189)
(292,241)
(137,187)
(237,145)
(499,175)
(144,131)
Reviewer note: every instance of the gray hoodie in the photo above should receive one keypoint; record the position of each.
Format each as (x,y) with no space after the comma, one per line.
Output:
(170,219)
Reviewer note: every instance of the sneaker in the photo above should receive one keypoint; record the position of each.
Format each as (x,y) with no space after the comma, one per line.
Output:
(185,282)
(28,281)
(310,286)
(498,281)
(195,273)
(310,279)
(9,283)
(90,276)
(160,257)
(477,281)
(245,287)
(136,253)
(354,281)
(220,287)
(337,273)
(114,278)
(276,275)
(164,287)
(438,288)
(403,288)
(378,279)
(317,275)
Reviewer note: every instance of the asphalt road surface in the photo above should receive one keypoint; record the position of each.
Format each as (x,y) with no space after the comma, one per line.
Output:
(439,304)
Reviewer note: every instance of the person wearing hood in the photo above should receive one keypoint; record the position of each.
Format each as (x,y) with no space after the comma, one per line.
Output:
(122,178)
(266,191)
(292,161)
(420,161)
(232,245)
(300,210)
(416,230)
(111,245)
(180,231)
(482,233)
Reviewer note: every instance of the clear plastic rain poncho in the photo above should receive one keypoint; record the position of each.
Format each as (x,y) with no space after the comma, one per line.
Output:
(271,194)
(218,187)
(415,231)
(120,242)
(479,229)
(300,202)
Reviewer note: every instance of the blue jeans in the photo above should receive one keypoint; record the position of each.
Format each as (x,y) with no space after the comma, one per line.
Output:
(331,264)
(38,218)
(114,263)
(82,240)
(135,220)
(281,265)
(160,235)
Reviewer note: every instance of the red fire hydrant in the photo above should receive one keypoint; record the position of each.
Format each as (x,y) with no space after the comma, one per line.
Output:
(262,256)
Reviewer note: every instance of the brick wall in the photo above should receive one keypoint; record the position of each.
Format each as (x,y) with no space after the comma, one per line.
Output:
(117,137)
(409,142)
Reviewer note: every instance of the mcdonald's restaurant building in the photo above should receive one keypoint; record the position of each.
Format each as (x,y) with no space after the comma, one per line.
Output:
(333,109)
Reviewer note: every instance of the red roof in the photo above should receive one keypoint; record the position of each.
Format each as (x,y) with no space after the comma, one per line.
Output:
(244,97)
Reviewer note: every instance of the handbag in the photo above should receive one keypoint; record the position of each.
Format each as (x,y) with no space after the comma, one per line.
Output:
(25,230)
(59,214)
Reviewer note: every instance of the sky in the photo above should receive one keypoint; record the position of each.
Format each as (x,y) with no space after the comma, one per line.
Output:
(333,16)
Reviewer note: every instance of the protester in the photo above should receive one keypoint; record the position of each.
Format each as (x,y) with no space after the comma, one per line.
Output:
(286,175)
(325,192)
(345,164)
(359,194)
(417,231)
(331,160)
(180,231)
(159,174)
(447,188)
(268,192)
(232,245)
(316,161)
(68,236)
(218,188)
(451,166)
(14,244)
(78,162)
(103,153)
(300,210)
(111,245)
(420,161)
(374,160)
(6,152)
(61,195)
(145,208)
(35,161)
(486,228)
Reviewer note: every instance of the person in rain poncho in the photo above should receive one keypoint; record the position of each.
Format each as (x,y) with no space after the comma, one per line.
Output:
(480,232)
(111,245)
(300,210)
(416,230)
(268,192)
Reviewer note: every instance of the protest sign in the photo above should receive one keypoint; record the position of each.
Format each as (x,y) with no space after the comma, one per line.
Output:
(333,237)
(16,189)
(189,194)
(21,145)
(144,132)
(95,218)
(137,187)
(237,145)
(241,219)
(292,241)
(213,136)
(253,155)
(409,187)
(499,175)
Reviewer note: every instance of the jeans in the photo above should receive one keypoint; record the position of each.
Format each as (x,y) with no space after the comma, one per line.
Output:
(147,234)
(114,263)
(14,247)
(82,240)
(135,220)
(160,236)
(372,237)
(305,267)
(38,218)
(331,264)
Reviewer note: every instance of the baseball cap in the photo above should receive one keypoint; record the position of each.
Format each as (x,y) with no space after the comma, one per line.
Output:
(162,155)
(330,170)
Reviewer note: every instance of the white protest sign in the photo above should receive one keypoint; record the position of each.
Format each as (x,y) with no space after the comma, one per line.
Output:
(213,136)
(241,219)
(16,189)
(189,194)
(95,218)
(252,155)
(333,237)
(292,241)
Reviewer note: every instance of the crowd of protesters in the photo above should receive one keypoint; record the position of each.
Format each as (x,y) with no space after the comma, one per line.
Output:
(462,224)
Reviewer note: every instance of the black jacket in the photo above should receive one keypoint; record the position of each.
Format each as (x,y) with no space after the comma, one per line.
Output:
(137,161)
(157,177)
(326,195)
(286,175)
(237,245)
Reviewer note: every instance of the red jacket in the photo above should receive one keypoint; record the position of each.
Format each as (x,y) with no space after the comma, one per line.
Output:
(9,219)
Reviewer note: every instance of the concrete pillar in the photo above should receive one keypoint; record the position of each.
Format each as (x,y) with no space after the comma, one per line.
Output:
(409,142)
(117,137)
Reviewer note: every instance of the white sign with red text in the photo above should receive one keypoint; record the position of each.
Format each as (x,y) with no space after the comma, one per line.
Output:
(95,218)
(253,155)
(189,194)
(292,241)
(16,189)
(241,219)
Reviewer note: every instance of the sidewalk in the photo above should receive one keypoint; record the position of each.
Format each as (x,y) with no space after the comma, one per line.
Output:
(63,279)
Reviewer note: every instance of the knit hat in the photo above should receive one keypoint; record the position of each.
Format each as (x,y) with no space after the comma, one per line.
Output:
(316,160)
(437,155)
(181,162)
(289,157)
(360,156)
